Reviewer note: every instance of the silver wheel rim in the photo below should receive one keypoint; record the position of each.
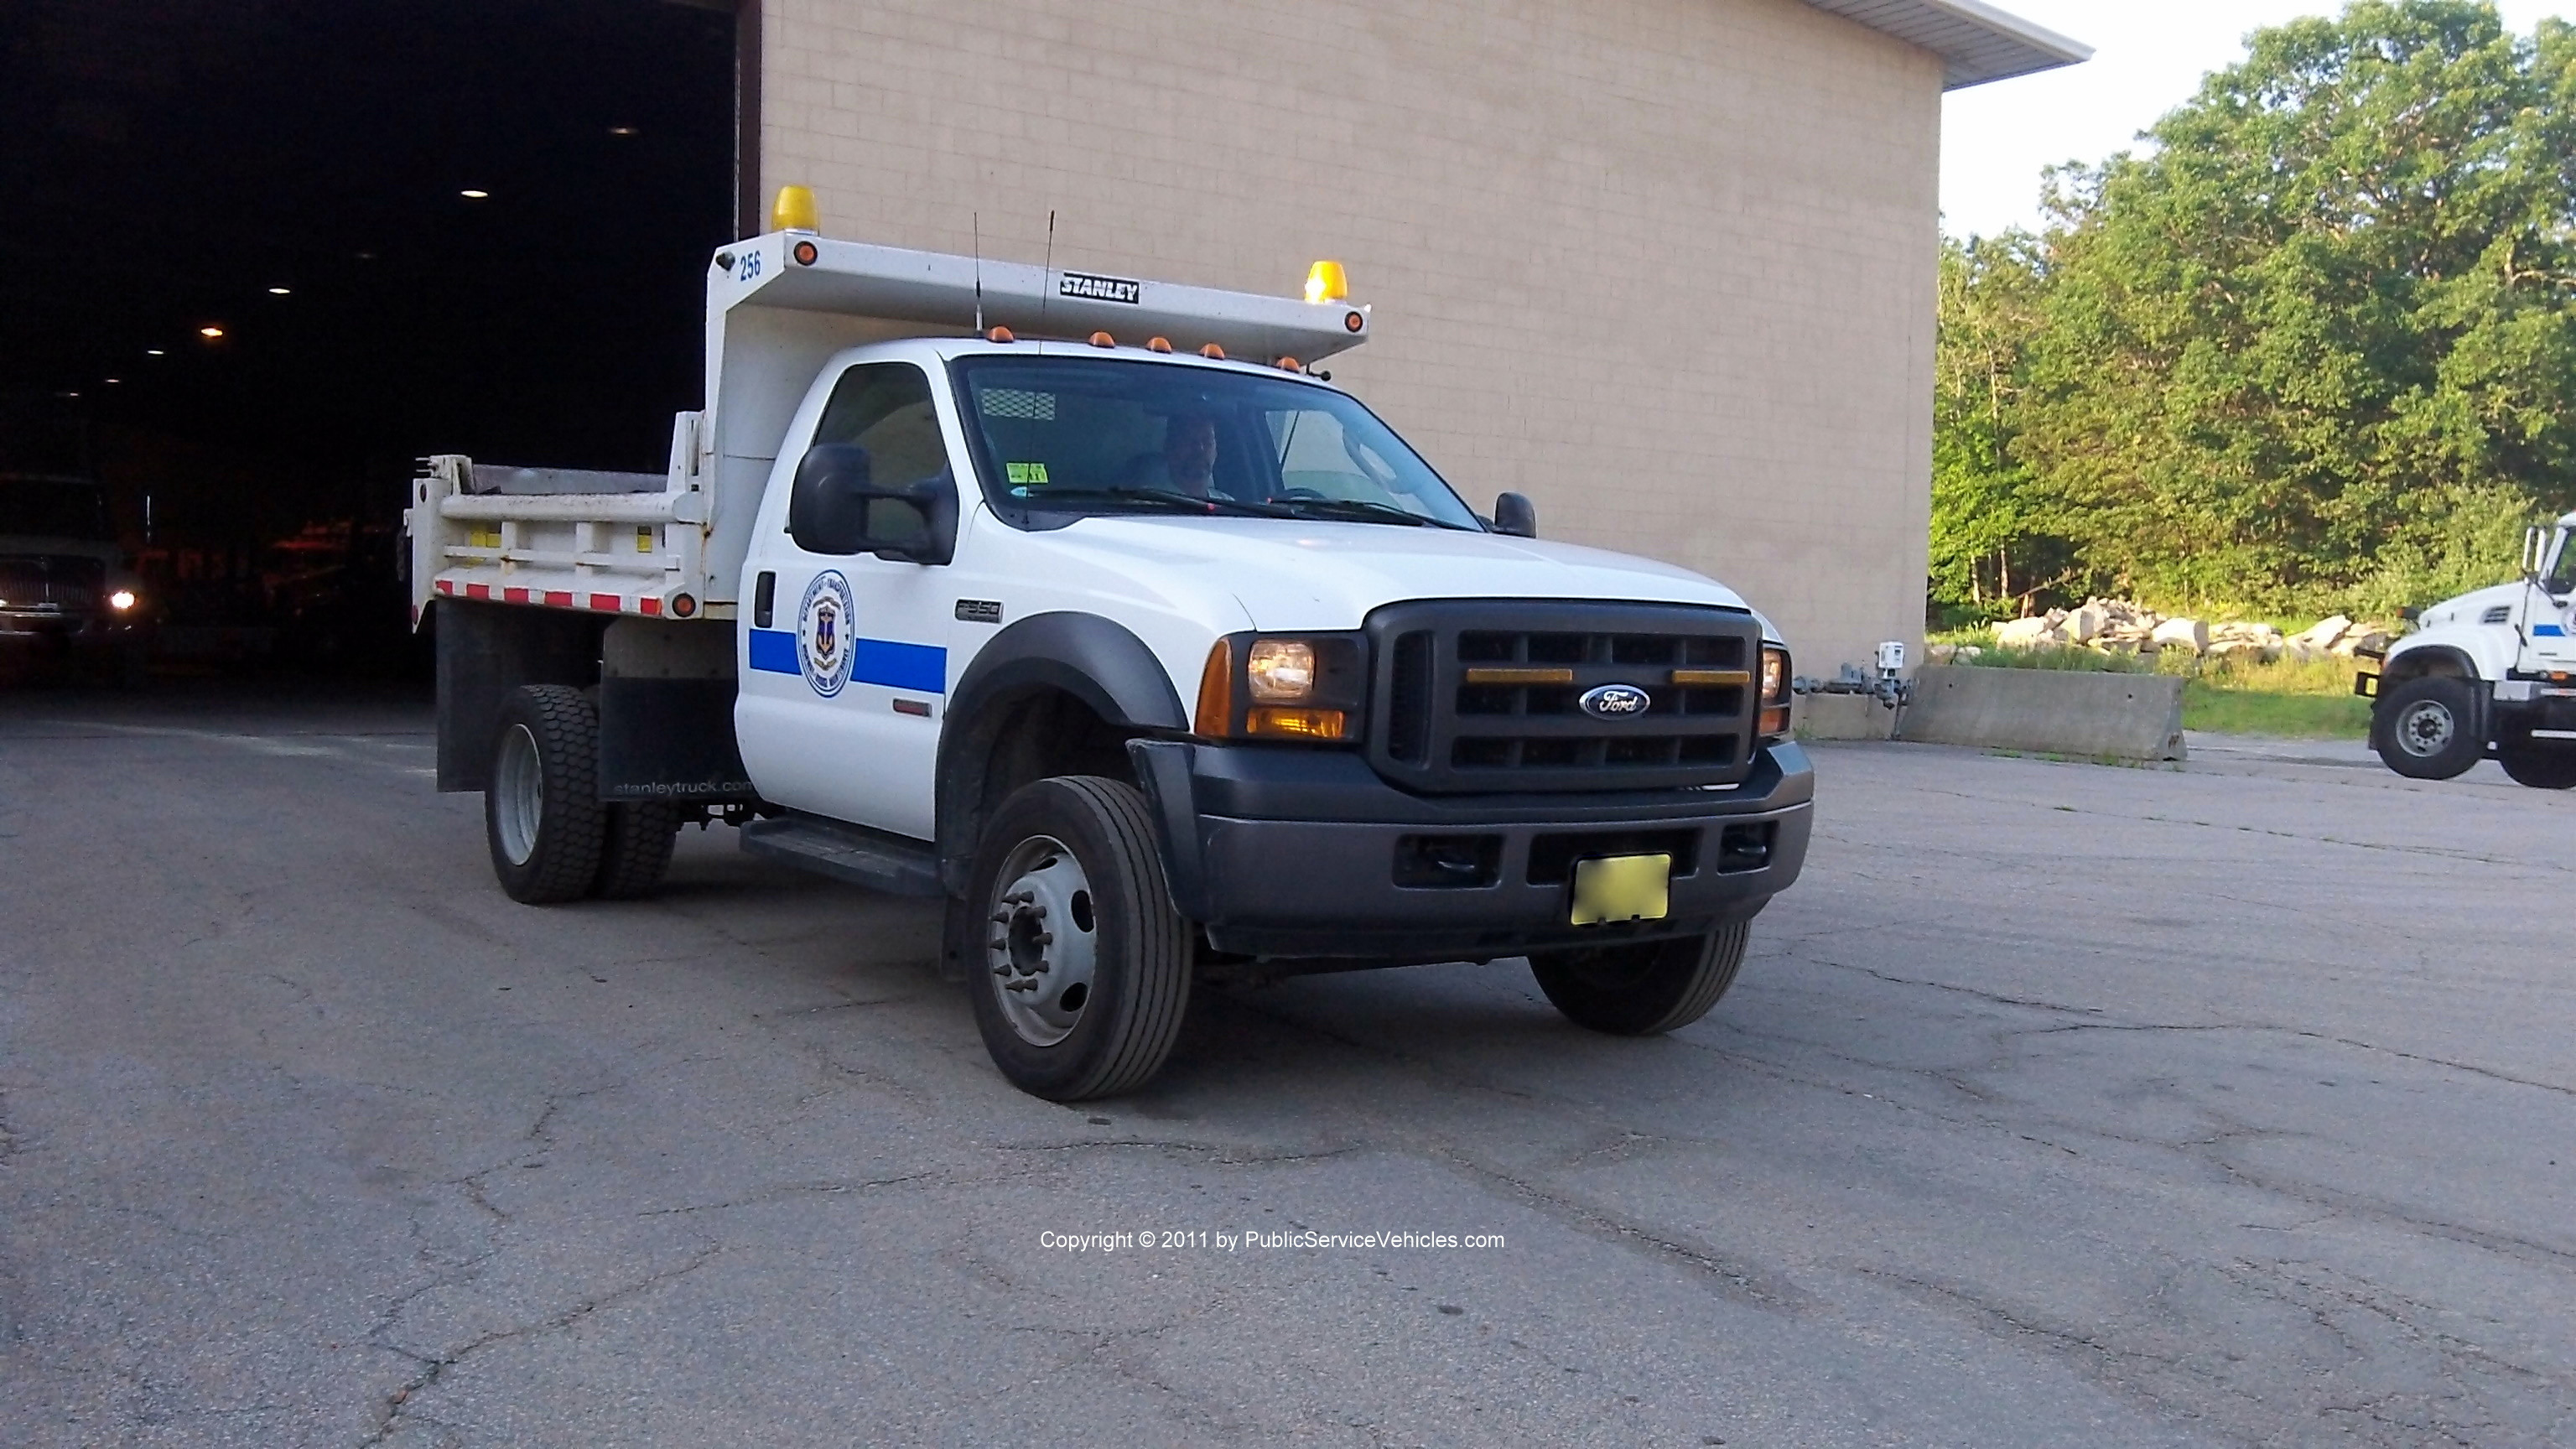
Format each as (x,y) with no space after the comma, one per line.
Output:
(519,794)
(1042,940)
(2424,730)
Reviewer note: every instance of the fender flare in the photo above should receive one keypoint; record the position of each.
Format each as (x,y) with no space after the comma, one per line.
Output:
(1094,659)
(2415,656)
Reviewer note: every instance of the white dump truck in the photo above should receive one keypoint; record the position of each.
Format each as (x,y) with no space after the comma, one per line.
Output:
(1087,604)
(2492,672)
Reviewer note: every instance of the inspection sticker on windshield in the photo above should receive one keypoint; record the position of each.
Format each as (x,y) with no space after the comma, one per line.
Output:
(1099,289)
(1025,472)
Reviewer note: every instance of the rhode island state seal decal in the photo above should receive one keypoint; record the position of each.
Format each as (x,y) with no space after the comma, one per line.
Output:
(823,633)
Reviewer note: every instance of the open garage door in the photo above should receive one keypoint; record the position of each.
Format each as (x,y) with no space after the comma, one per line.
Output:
(261,256)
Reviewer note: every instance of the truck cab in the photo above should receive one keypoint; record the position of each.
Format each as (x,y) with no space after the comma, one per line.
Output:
(66,595)
(1091,607)
(2490,673)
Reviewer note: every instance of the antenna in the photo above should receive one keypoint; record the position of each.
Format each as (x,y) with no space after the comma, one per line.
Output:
(1046,276)
(976,220)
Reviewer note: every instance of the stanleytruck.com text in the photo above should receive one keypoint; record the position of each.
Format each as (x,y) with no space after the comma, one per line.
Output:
(1155,1240)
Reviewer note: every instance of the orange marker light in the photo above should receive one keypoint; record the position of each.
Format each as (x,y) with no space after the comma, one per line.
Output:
(1288,364)
(1158,344)
(1353,321)
(1215,717)
(1000,334)
(1103,339)
(805,254)
(1213,351)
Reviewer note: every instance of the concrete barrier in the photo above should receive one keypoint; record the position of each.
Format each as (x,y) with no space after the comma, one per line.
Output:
(2092,716)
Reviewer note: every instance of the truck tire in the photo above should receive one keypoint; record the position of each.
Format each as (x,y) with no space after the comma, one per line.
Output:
(2428,729)
(1642,988)
(635,849)
(1079,965)
(2541,764)
(542,815)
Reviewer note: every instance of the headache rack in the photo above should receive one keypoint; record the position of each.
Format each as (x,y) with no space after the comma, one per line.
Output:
(1487,695)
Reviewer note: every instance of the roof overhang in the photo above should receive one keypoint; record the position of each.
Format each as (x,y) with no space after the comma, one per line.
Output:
(1976,42)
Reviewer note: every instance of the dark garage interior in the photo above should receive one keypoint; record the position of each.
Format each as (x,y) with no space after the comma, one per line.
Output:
(261,255)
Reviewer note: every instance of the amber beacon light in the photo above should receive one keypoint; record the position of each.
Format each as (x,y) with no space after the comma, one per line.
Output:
(1325,282)
(794,210)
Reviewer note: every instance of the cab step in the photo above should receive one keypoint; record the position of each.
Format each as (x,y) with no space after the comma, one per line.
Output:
(871,858)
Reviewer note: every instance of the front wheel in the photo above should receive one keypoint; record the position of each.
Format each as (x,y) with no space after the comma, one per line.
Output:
(2427,729)
(1079,965)
(542,814)
(1642,988)
(2541,764)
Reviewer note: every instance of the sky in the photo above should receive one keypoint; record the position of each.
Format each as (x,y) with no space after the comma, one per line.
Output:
(2148,57)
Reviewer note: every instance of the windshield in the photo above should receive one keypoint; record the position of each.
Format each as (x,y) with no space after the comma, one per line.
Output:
(1085,435)
(52,508)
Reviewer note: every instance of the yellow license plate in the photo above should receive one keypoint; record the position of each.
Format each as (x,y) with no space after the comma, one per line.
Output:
(1622,888)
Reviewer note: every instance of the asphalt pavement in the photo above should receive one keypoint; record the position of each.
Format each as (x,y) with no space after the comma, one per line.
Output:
(2059,1104)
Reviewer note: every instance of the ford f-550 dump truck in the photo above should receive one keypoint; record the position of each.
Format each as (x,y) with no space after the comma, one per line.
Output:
(1086,603)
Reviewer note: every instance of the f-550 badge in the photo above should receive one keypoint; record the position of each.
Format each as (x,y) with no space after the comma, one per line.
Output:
(823,633)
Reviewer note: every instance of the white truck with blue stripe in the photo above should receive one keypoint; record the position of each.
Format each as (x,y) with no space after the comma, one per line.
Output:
(2491,673)
(1087,605)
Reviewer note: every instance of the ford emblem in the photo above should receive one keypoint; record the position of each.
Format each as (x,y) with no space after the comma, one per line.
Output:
(1616,701)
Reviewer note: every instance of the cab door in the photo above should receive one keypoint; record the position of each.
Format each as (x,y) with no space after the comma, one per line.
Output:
(845,657)
(2550,585)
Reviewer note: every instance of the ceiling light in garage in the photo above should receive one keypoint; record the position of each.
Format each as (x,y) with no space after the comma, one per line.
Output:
(621,130)
(472,194)
(210,333)
(278,291)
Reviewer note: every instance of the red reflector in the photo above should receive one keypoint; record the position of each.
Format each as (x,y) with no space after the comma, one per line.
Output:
(514,596)
(650,606)
(606,603)
(559,598)
(478,591)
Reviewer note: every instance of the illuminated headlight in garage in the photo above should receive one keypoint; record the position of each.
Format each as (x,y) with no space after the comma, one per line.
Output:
(121,600)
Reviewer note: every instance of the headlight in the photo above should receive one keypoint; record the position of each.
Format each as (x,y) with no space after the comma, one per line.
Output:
(121,600)
(1311,687)
(1775,692)
(1282,671)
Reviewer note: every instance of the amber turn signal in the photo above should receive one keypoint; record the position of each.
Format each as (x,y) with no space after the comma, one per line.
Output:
(1297,724)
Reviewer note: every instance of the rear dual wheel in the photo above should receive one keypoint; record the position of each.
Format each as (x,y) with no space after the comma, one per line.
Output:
(552,838)
(2541,764)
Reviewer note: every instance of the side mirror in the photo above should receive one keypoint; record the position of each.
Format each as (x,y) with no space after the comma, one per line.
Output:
(835,507)
(2535,549)
(1516,516)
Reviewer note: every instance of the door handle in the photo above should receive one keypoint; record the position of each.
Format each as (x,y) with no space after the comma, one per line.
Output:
(764,595)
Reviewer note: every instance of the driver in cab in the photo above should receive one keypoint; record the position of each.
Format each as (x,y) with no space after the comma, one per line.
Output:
(1187,462)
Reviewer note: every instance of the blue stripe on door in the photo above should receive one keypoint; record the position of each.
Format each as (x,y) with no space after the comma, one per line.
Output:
(2547,631)
(886,662)
(900,666)
(774,650)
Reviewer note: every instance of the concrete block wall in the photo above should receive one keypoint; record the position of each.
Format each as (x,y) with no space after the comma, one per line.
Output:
(1666,266)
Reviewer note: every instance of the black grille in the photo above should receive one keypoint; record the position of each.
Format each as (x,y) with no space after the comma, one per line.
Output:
(62,581)
(1488,694)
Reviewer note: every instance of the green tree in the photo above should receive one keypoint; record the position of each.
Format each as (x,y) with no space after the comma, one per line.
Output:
(2317,347)
(1991,545)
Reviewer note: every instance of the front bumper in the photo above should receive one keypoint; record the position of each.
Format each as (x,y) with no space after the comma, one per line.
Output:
(64,628)
(1281,852)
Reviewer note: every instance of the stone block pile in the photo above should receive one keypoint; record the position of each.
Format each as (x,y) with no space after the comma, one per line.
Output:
(2116,626)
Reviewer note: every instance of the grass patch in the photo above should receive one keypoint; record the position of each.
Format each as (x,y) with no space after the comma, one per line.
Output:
(2240,696)
(2290,716)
